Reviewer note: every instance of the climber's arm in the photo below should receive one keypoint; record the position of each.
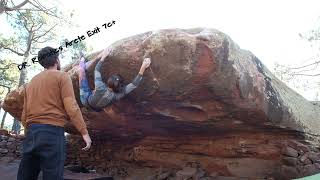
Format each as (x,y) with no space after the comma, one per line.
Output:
(106,52)
(136,81)
(145,64)
(130,87)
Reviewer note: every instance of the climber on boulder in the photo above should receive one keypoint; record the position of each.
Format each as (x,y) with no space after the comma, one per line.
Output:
(105,94)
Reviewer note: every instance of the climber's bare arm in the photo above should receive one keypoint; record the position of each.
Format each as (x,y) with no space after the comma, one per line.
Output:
(146,63)
(136,81)
(100,58)
(106,52)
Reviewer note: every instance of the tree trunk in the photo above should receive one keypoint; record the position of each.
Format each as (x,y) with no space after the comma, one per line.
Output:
(23,75)
(0,113)
(3,119)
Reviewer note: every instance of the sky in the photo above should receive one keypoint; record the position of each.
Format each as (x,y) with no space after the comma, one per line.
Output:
(269,29)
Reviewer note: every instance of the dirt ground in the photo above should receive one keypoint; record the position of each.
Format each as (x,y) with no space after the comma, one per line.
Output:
(9,169)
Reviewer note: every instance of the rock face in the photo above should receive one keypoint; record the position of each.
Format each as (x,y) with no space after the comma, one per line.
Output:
(204,99)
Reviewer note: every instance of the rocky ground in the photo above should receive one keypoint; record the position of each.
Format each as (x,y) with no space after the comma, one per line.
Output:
(9,169)
(10,155)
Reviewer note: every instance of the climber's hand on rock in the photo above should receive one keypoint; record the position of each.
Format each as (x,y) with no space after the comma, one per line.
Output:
(146,62)
(88,142)
(105,54)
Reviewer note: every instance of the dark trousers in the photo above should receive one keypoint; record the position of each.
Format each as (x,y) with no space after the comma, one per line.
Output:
(43,150)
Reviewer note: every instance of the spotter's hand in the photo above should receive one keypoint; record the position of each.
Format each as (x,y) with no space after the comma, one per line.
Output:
(88,142)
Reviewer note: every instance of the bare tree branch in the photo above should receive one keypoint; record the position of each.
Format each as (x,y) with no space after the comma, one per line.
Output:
(15,7)
(42,41)
(40,5)
(48,11)
(8,66)
(38,28)
(317,62)
(36,4)
(5,86)
(298,74)
(12,50)
(35,38)
(25,21)
(307,70)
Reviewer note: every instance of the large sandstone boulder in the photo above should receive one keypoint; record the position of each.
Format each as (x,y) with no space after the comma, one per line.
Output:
(197,76)
(203,99)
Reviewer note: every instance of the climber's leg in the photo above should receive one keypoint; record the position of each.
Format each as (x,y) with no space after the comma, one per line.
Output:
(85,91)
(82,60)
(88,64)
(100,86)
